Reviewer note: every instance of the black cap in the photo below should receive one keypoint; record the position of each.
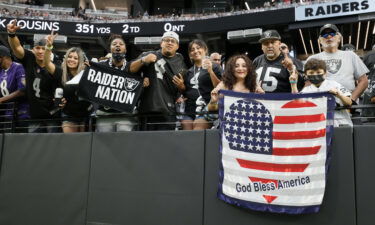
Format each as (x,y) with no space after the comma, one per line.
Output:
(40,42)
(269,35)
(348,47)
(4,51)
(328,26)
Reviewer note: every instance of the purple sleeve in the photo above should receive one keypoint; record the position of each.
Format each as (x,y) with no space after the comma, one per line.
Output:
(20,77)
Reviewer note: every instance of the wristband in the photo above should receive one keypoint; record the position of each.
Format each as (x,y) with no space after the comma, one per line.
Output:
(293,81)
(49,47)
(11,35)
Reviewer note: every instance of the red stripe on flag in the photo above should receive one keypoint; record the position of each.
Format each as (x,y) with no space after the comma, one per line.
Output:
(272,166)
(299,119)
(263,180)
(269,198)
(299,134)
(299,104)
(296,151)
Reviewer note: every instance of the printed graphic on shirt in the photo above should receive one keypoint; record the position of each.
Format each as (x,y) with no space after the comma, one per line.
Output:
(333,65)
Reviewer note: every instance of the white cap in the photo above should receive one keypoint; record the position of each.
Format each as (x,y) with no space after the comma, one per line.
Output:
(172,35)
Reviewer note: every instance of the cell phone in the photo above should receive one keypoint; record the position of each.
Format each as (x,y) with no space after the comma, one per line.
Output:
(59,94)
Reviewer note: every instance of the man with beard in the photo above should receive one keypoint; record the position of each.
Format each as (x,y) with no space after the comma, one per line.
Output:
(163,72)
(274,68)
(344,67)
(117,61)
(40,84)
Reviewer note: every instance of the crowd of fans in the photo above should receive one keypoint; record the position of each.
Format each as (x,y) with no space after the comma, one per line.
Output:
(169,86)
(80,14)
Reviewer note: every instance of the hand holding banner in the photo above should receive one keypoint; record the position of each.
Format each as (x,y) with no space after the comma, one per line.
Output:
(110,87)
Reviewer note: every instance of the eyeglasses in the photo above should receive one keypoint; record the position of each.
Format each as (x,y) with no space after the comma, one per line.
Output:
(332,34)
(171,40)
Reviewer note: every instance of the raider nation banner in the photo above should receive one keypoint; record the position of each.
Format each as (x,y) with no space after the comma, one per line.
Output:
(275,150)
(110,87)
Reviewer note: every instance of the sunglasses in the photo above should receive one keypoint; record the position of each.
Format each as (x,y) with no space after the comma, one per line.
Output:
(173,41)
(332,34)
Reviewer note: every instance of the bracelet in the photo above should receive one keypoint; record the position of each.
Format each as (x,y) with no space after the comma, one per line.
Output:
(11,35)
(143,60)
(49,47)
(293,81)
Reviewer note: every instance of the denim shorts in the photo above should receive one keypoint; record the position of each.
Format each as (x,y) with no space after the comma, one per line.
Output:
(69,119)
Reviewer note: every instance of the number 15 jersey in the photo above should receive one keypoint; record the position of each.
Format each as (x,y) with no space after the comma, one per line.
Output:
(274,76)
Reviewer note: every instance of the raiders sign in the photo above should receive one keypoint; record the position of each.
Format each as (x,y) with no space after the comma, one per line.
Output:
(110,87)
(333,9)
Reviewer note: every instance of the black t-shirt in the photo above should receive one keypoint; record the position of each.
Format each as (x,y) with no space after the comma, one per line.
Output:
(74,107)
(161,95)
(205,84)
(274,76)
(191,88)
(369,60)
(40,87)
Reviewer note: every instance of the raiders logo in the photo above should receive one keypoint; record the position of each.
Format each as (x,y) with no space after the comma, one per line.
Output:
(371,85)
(333,65)
(267,34)
(130,84)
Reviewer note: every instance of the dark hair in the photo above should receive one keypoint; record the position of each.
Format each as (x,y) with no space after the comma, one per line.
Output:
(113,37)
(198,42)
(315,64)
(229,79)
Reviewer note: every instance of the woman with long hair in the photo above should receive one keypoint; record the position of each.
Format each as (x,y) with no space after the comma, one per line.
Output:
(200,79)
(74,112)
(239,76)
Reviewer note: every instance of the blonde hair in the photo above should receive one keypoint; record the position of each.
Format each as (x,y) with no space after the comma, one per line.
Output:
(81,65)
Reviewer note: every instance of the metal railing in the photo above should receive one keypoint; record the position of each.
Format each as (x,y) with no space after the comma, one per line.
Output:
(9,123)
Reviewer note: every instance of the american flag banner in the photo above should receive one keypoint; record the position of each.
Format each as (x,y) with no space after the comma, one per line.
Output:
(275,150)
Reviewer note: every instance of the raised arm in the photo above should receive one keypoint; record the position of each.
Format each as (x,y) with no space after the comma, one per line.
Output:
(13,40)
(214,79)
(136,65)
(293,79)
(50,66)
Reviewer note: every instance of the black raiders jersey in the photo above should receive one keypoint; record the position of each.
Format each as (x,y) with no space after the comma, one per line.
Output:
(274,76)
(161,95)
(40,87)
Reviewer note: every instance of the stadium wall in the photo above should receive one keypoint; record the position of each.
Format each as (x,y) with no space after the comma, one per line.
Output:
(157,178)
